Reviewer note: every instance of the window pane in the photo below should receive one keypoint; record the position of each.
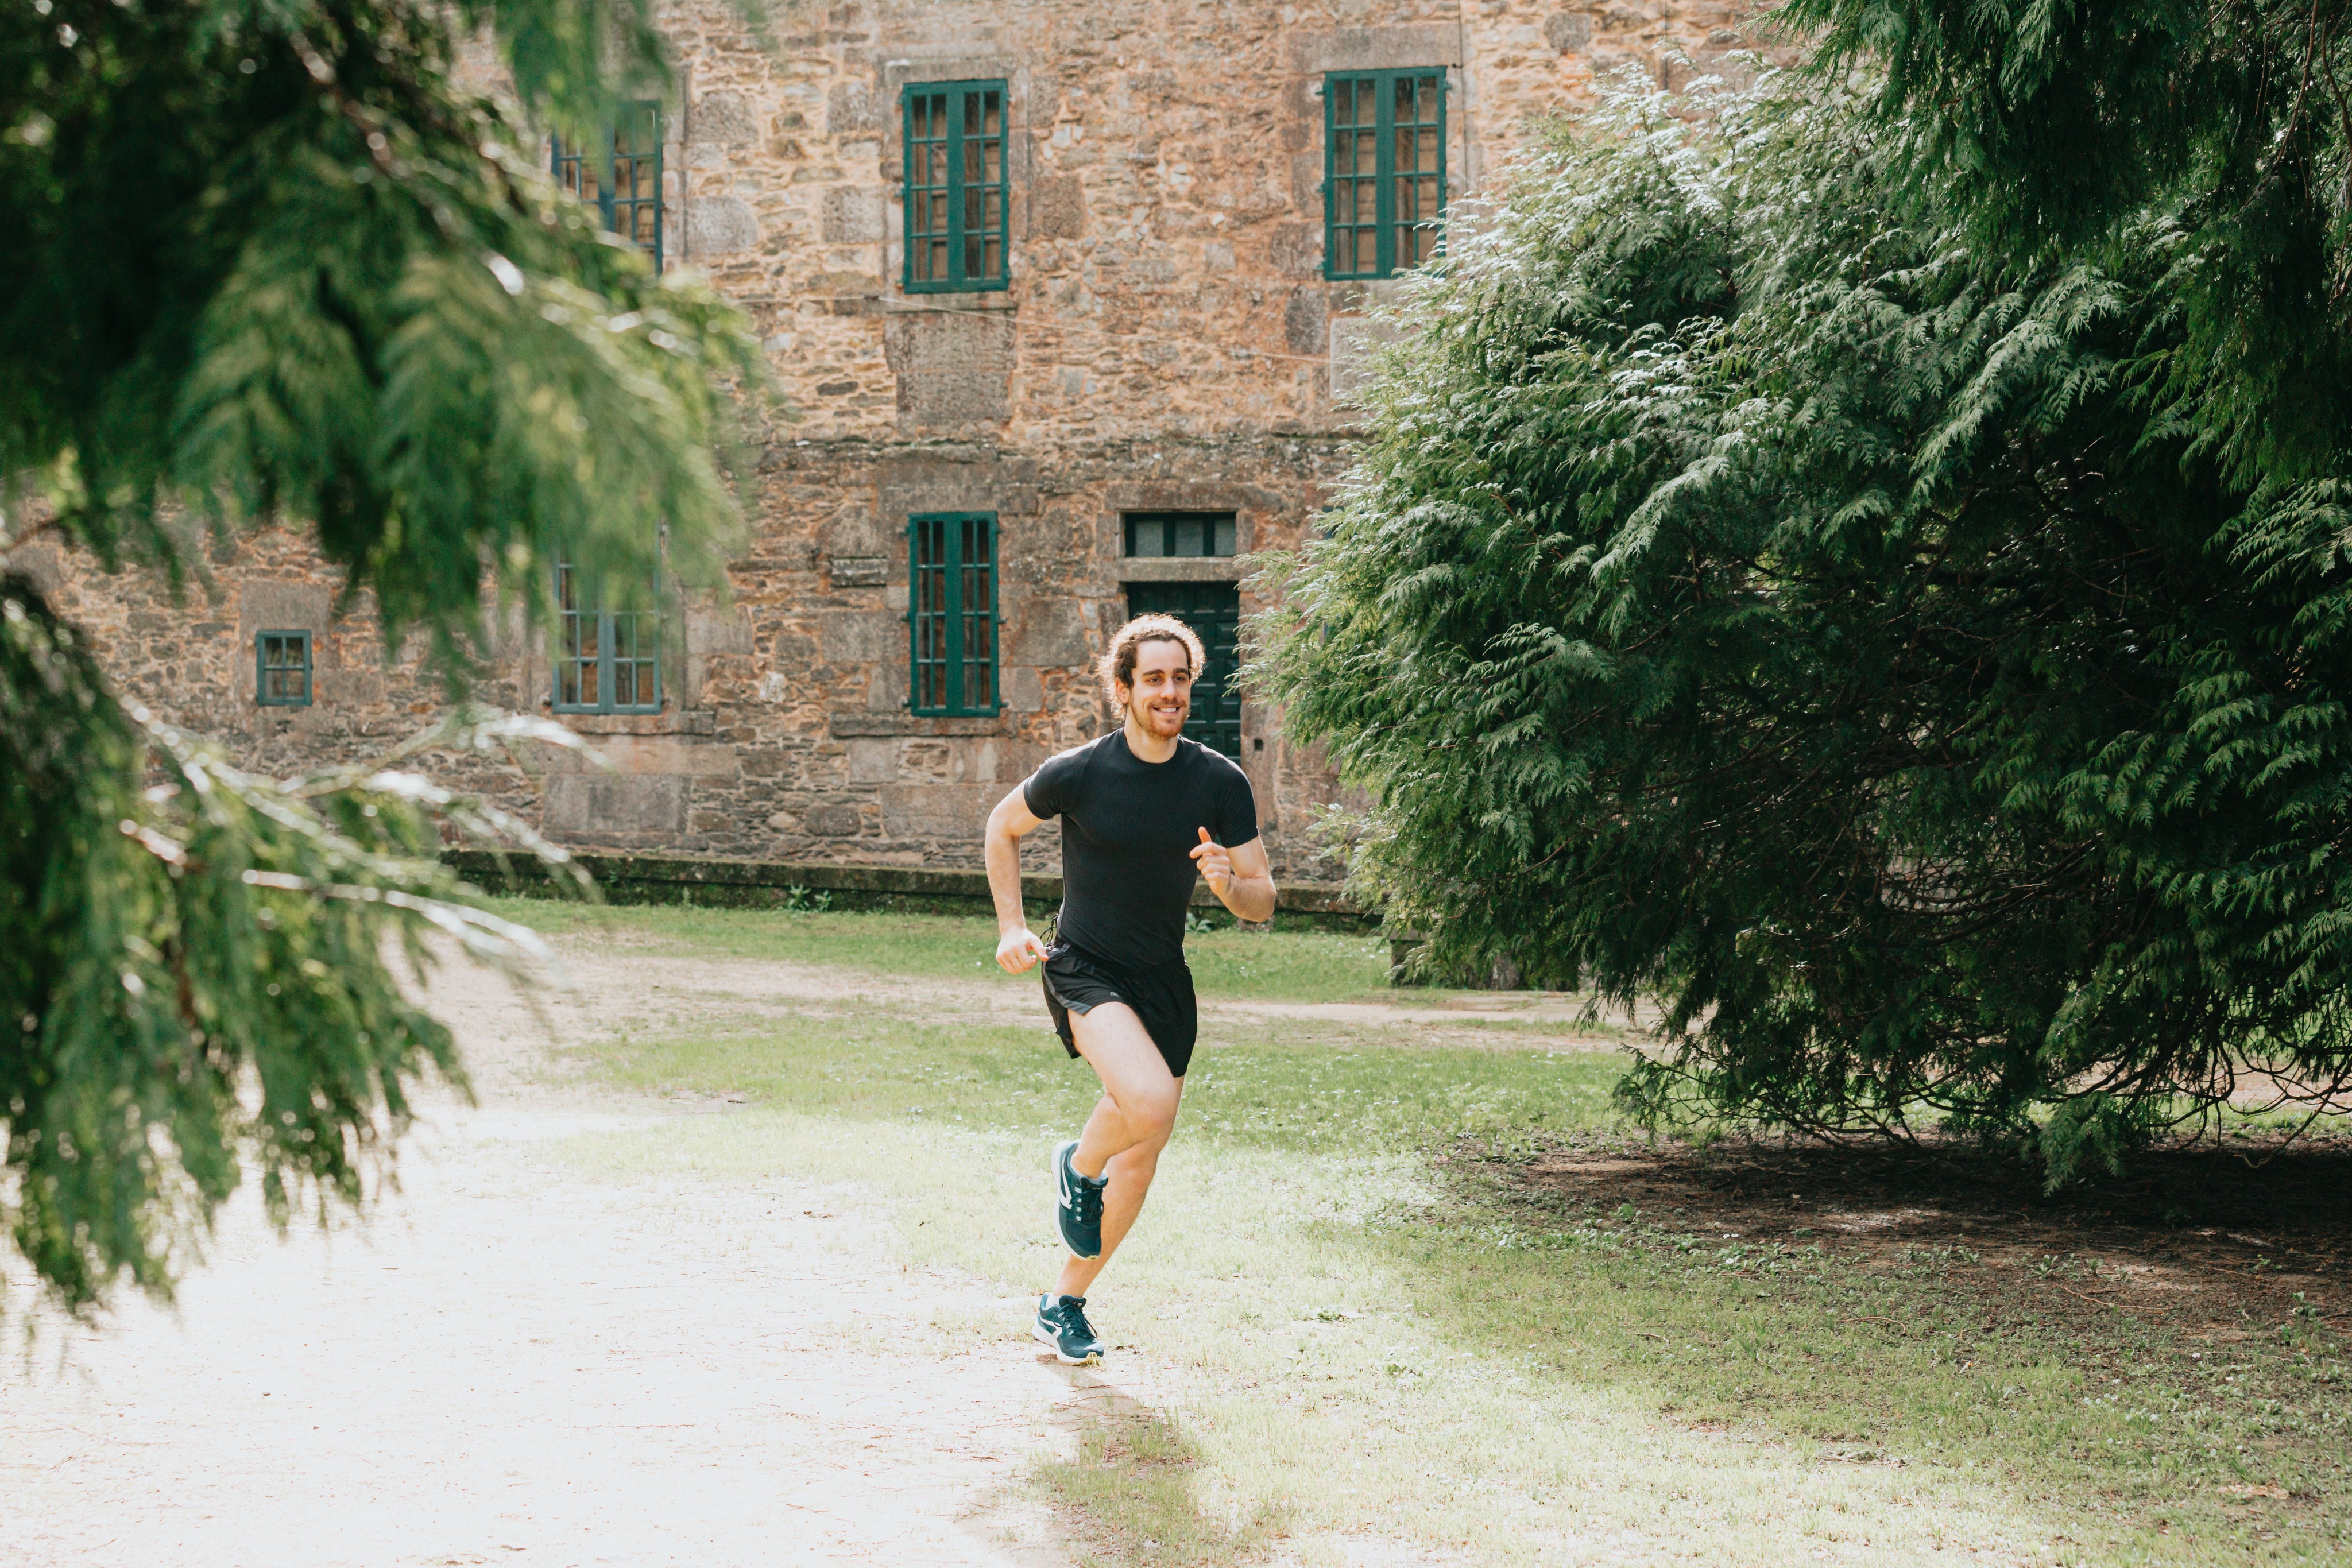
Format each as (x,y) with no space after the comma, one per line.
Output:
(1188,536)
(1224,542)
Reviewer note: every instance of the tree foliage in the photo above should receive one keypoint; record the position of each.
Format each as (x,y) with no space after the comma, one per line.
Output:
(1760,593)
(2227,125)
(279,265)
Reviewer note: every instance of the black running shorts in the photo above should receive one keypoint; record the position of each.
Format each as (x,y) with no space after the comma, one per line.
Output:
(1079,982)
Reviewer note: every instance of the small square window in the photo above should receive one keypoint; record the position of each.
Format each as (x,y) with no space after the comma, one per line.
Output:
(1150,535)
(281,669)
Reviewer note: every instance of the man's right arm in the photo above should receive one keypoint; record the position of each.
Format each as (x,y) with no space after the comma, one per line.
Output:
(1017,947)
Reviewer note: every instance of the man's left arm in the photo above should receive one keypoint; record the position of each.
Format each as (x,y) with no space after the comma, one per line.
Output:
(1240,876)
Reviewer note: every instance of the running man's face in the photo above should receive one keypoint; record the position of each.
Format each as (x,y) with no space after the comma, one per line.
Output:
(1162,697)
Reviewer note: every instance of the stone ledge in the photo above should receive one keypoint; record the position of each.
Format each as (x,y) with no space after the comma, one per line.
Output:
(658,879)
(868,725)
(692,721)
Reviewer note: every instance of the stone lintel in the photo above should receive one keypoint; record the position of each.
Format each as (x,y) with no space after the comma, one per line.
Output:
(688,721)
(847,725)
(1181,568)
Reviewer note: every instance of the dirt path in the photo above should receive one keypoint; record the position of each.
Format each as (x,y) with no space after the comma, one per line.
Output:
(506,1367)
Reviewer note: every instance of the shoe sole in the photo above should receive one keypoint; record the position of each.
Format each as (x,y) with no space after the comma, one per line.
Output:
(1053,1343)
(1055,1166)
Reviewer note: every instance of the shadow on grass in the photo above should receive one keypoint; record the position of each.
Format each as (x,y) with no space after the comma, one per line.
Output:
(2171,1344)
(1131,1489)
(2246,1224)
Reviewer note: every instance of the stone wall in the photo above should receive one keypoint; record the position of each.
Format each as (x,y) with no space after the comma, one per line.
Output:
(1168,343)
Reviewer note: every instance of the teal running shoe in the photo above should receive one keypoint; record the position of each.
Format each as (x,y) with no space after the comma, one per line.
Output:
(1078,1204)
(1062,1324)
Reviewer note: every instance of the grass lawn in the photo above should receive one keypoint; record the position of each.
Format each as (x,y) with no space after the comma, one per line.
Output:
(1287,966)
(1359,1315)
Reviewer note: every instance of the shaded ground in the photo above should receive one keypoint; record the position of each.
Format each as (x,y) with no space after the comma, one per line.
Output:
(2218,1276)
(2199,1236)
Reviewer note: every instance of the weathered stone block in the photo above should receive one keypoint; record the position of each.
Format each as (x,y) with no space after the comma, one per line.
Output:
(952,370)
(725,118)
(602,802)
(857,636)
(851,216)
(719,225)
(850,107)
(833,821)
(1316,50)
(1051,633)
(1057,206)
(1306,321)
(1570,32)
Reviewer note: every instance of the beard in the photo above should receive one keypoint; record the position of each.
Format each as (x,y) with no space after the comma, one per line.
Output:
(1163,722)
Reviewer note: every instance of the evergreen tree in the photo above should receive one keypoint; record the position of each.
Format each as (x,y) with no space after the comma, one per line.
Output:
(277,266)
(1760,592)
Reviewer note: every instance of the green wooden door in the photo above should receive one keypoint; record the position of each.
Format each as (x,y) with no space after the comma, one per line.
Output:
(1213,612)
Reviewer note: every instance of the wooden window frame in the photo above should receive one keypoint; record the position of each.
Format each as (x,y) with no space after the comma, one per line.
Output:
(591,606)
(263,669)
(914,231)
(624,215)
(1135,524)
(937,601)
(1386,222)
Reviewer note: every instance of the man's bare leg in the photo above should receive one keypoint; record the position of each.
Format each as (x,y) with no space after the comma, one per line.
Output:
(1129,1125)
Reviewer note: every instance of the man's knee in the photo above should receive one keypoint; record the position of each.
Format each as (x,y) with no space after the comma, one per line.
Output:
(1152,1115)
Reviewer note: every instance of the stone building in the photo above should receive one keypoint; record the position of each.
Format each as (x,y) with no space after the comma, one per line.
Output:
(1065,298)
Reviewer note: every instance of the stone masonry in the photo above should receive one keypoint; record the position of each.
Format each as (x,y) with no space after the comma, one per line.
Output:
(1168,343)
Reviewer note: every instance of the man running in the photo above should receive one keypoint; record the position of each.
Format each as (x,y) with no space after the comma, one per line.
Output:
(1144,811)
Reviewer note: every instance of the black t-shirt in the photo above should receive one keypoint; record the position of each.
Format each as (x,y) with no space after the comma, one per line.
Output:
(1127,831)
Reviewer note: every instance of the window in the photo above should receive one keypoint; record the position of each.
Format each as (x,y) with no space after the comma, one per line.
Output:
(606,659)
(955,186)
(623,178)
(281,669)
(1180,533)
(1213,612)
(951,613)
(1385,170)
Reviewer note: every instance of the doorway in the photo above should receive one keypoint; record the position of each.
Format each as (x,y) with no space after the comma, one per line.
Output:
(1213,612)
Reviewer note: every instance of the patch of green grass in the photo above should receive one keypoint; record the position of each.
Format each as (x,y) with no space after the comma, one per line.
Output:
(1372,1344)
(1276,965)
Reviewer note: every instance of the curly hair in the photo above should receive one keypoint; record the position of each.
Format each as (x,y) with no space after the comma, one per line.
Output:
(1117,665)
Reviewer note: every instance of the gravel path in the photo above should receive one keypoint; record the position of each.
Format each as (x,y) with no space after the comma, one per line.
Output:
(504,1367)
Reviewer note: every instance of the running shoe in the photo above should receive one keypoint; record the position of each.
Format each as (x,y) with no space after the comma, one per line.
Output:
(1061,1323)
(1078,1202)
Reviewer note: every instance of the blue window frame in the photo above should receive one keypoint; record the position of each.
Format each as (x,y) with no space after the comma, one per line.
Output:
(951,621)
(281,669)
(606,659)
(622,178)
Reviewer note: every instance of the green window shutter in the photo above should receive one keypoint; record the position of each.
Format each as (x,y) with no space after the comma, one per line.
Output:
(625,180)
(606,659)
(951,619)
(281,669)
(1383,170)
(955,187)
